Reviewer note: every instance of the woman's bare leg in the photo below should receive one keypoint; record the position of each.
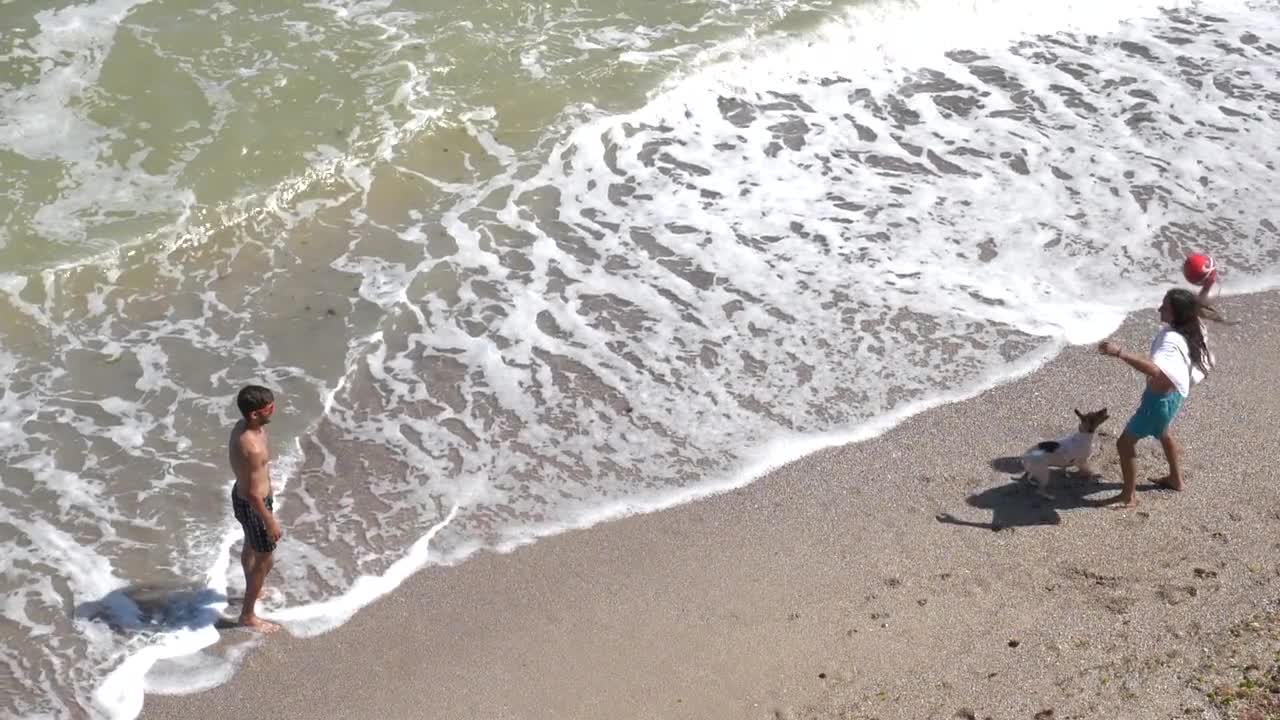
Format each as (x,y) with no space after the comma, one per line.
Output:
(1126,446)
(1172,453)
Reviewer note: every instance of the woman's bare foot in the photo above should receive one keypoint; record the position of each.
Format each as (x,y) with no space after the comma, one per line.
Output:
(1169,482)
(253,622)
(1120,502)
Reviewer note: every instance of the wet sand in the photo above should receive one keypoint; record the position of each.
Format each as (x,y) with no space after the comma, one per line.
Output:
(909,576)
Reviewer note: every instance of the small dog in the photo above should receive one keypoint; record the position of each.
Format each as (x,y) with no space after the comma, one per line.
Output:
(1071,451)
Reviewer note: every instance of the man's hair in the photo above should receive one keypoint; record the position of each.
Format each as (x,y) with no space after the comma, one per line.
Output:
(253,397)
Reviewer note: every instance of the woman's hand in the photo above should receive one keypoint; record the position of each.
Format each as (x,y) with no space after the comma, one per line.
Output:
(1207,285)
(1107,347)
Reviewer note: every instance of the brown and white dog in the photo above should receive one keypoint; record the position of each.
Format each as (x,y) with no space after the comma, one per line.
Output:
(1071,451)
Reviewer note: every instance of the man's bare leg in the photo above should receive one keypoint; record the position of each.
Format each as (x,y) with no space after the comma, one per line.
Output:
(246,560)
(255,574)
(246,563)
(1172,454)
(1126,446)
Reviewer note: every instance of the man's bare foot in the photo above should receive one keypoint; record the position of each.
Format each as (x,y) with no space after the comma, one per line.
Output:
(253,622)
(1169,482)
(1121,502)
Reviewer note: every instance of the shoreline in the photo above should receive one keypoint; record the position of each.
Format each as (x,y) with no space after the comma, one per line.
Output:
(827,585)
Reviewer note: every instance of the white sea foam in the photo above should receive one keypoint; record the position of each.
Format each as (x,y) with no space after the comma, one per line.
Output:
(317,618)
(80,36)
(47,121)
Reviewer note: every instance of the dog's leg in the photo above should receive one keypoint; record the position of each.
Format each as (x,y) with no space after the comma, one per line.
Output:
(1042,483)
(1029,464)
(1038,469)
(1084,468)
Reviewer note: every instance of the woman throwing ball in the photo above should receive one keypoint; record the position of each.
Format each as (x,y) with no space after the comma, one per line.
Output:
(1179,359)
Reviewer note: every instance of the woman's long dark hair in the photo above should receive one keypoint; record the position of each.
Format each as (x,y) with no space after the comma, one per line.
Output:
(1187,311)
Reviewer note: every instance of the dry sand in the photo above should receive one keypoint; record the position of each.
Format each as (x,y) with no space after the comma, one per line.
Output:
(830,588)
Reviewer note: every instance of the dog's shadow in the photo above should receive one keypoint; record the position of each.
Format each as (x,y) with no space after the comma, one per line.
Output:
(1017,504)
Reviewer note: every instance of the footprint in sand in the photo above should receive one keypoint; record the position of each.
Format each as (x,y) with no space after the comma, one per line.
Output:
(1176,594)
(1107,589)
(1087,576)
(1119,604)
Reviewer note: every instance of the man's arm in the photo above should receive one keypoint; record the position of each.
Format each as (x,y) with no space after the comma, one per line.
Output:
(256,462)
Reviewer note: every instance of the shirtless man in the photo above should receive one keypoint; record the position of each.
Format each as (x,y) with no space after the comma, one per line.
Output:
(251,497)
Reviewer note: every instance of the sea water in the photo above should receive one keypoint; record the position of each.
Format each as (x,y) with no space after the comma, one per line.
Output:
(514,268)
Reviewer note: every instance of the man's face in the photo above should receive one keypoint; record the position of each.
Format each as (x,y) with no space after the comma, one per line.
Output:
(263,416)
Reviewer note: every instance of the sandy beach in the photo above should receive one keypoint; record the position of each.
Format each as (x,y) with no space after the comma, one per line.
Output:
(909,576)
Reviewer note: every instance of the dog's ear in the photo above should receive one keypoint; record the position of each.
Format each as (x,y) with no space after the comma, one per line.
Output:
(1077,412)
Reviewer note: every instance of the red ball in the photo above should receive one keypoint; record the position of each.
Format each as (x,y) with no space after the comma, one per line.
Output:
(1197,268)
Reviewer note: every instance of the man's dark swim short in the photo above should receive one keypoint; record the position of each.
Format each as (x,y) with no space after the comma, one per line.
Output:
(255,530)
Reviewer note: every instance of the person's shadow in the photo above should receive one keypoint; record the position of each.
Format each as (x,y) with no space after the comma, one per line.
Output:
(1017,504)
(145,609)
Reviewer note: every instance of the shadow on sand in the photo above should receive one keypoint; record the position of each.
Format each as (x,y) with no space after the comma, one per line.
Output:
(1017,504)
(156,608)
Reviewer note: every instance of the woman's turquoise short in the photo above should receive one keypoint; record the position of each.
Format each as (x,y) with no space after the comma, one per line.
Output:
(1155,413)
